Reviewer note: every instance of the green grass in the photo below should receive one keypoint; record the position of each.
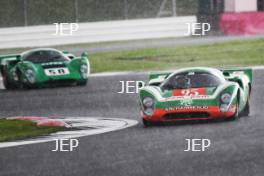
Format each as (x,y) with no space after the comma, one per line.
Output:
(19,129)
(238,53)
(226,54)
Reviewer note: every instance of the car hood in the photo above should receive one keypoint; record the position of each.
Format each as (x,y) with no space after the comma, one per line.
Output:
(179,94)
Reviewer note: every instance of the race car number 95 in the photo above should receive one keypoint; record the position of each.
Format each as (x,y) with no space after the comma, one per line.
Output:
(190,92)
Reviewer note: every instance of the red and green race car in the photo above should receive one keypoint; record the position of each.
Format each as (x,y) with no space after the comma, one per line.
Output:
(43,67)
(198,93)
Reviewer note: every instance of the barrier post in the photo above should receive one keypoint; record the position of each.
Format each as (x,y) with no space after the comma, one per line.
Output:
(209,12)
(25,13)
(126,9)
(76,10)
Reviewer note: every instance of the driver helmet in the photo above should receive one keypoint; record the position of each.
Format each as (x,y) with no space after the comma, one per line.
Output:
(182,82)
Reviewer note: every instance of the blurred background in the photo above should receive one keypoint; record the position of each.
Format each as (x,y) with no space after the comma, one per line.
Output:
(39,12)
(118,25)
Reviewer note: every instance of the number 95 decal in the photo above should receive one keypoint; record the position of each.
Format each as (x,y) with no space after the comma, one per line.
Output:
(190,92)
(193,92)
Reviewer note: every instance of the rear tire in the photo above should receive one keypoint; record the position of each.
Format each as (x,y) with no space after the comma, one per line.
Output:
(7,83)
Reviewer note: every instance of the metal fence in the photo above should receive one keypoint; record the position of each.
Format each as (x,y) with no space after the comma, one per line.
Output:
(38,12)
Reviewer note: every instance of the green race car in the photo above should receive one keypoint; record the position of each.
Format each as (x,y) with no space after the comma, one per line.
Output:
(196,94)
(44,67)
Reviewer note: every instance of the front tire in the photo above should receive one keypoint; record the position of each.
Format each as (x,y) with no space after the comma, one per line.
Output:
(246,110)
(21,84)
(82,83)
(236,115)
(146,123)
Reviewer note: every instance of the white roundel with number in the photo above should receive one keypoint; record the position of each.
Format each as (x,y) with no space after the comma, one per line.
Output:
(56,71)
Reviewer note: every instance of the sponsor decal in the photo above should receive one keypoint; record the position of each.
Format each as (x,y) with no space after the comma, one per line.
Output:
(186,108)
(186,102)
(52,63)
(188,97)
(236,73)
(189,92)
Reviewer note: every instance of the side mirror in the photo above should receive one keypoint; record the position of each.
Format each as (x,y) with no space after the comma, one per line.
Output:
(71,56)
(166,87)
(225,73)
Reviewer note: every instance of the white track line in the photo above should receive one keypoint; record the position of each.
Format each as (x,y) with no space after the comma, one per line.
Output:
(261,67)
(88,126)
(106,74)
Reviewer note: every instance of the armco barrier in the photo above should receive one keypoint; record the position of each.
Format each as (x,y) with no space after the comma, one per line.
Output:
(38,36)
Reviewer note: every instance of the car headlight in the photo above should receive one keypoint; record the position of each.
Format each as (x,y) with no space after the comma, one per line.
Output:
(149,111)
(30,76)
(148,102)
(84,70)
(148,105)
(226,98)
(224,107)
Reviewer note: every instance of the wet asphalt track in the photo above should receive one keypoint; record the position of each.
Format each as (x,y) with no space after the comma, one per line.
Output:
(237,146)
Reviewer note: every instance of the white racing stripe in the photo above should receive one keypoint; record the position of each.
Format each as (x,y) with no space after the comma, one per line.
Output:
(103,74)
(83,126)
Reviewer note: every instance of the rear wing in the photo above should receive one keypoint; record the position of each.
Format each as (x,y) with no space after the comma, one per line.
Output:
(4,59)
(72,56)
(239,71)
(68,54)
(156,78)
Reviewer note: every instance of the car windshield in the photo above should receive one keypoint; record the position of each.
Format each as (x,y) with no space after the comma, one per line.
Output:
(191,80)
(45,56)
